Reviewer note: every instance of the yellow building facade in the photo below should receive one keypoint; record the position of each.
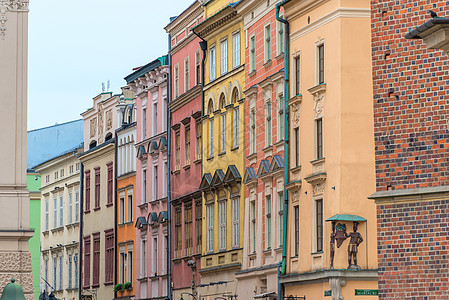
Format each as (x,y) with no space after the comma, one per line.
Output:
(331,152)
(223,149)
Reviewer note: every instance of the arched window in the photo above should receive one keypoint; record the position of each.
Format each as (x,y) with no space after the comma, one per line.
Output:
(222,101)
(235,95)
(108,137)
(93,144)
(210,107)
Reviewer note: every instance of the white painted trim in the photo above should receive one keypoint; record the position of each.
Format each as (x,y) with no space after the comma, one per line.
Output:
(343,12)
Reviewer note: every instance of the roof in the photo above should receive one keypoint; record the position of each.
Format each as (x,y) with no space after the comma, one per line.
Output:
(147,68)
(346,217)
(415,33)
(71,150)
(12,291)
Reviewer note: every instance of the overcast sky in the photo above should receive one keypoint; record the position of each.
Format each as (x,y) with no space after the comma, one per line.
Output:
(75,45)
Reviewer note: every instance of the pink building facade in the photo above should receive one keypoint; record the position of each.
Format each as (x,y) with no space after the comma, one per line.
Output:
(264,149)
(150,86)
(185,165)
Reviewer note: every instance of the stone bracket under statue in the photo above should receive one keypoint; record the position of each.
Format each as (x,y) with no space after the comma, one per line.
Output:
(339,234)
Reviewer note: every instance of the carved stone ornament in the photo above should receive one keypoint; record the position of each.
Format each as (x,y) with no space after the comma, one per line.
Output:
(10,5)
(108,119)
(100,124)
(295,114)
(93,127)
(295,196)
(318,105)
(318,189)
(336,283)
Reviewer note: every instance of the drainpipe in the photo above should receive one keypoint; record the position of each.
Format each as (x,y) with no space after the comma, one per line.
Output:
(286,148)
(169,223)
(80,244)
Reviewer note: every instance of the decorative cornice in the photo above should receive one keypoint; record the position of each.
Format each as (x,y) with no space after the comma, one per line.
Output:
(217,21)
(185,98)
(13,6)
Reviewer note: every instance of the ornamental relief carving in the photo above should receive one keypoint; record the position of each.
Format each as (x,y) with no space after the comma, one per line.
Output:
(109,119)
(93,127)
(295,114)
(318,189)
(10,5)
(100,124)
(318,106)
(295,196)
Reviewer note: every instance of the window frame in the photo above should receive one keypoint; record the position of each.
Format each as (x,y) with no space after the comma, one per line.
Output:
(224,56)
(267,43)
(212,63)
(236,50)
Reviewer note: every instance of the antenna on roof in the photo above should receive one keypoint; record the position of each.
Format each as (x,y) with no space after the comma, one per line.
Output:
(102,87)
(109,85)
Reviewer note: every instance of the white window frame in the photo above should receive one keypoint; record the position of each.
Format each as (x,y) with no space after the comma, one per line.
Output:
(129,207)
(224,56)
(267,43)
(252,53)
(46,214)
(235,222)
(70,270)
(210,227)
(70,214)
(222,208)
(236,50)
(121,208)
(61,210)
(280,37)
(55,212)
(253,130)
(268,123)
(211,137)
(236,126)
(176,77)
(77,205)
(268,223)
(212,64)
(144,186)
(143,256)
(155,182)
(281,217)
(186,74)
(223,133)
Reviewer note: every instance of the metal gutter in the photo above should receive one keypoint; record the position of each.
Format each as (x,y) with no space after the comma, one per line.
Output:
(169,223)
(286,132)
(80,251)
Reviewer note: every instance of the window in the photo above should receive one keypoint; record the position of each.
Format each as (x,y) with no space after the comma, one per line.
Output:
(46,214)
(143,257)
(176,81)
(178,232)
(46,269)
(281,217)
(154,111)
(198,226)
(281,119)
(268,124)
(62,173)
(236,127)
(186,75)
(164,178)
(222,224)
(55,212)
(76,275)
(321,64)
(224,56)
(69,283)
(86,271)
(268,221)
(155,183)
(60,285)
(77,205)
(319,138)
(109,255)
(223,133)
(319,224)
(47,178)
(110,184)
(177,151)
(77,166)
(144,123)
(121,209)
(211,137)
(236,50)
(297,75)
(96,260)
(154,256)
(144,187)
(235,222)
(56,175)
(188,230)
(210,227)
(280,38)
(164,114)
(253,226)
(122,267)
(296,135)
(296,209)
(198,140)
(129,209)
(55,270)
(187,144)
(253,131)
(97,188)
(212,64)
(71,169)
(198,67)
(267,43)
(252,54)
(129,266)
(70,221)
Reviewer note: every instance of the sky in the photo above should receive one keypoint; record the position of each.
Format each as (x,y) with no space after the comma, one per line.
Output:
(75,45)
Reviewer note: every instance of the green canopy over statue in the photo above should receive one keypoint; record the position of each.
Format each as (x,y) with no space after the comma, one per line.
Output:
(12,291)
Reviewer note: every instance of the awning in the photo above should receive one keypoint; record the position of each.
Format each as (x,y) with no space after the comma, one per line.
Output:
(346,217)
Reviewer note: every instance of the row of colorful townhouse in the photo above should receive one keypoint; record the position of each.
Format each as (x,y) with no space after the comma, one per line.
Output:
(237,166)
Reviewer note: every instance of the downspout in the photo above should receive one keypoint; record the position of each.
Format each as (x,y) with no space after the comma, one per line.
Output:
(169,223)
(286,133)
(80,245)
(115,215)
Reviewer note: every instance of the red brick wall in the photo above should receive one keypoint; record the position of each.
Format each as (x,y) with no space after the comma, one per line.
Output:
(413,250)
(411,98)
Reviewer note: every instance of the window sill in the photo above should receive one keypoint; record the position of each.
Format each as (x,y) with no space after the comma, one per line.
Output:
(235,148)
(252,73)
(267,63)
(176,172)
(97,208)
(121,225)
(280,56)
(97,285)
(210,158)
(57,229)
(197,161)
(107,283)
(252,156)
(222,153)
(297,168)
(317,252)
(186,167)
(143,205)
(109,204)
(86,212)
(71,289)
(279,143)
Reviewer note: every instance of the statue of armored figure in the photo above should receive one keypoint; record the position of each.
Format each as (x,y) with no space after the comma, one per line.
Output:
(354,242)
